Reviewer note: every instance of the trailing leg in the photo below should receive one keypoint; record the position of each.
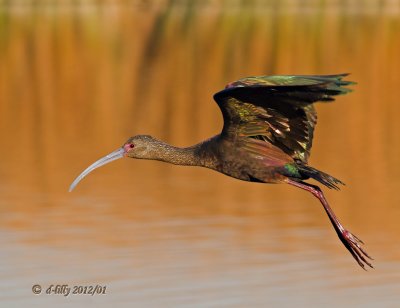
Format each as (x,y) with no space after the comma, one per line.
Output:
(350,241)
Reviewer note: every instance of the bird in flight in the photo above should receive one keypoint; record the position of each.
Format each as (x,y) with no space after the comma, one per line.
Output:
(267,137)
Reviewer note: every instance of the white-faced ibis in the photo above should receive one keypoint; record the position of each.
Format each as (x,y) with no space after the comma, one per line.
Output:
(267,136)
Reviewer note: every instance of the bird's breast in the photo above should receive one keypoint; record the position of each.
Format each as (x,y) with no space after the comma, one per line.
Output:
(230,158)
(242,165)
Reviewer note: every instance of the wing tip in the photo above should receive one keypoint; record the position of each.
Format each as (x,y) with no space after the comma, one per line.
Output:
(336,85)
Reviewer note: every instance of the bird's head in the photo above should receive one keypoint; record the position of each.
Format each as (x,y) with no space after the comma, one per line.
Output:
(140,146)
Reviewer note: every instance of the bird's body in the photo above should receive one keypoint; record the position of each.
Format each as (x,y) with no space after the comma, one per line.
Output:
(267,137)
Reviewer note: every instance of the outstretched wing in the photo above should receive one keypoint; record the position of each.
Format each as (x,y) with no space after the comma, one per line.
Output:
(277,109)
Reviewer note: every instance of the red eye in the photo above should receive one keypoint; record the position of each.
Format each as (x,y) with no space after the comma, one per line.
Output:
(131,145)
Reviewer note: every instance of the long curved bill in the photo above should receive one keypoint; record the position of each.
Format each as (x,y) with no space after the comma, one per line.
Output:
(102,161)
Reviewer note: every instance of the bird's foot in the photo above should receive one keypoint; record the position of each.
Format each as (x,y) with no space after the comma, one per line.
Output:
(353,244)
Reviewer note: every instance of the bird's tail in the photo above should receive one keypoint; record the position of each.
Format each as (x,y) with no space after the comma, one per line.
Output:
(319,176)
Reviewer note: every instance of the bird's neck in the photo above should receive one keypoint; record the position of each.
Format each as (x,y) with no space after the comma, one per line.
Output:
(188,156)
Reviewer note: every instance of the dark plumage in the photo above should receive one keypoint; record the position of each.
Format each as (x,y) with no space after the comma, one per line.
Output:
(267,137)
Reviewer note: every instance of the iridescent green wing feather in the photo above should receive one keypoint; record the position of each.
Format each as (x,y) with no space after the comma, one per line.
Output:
(277,109)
